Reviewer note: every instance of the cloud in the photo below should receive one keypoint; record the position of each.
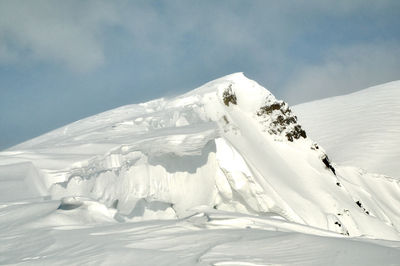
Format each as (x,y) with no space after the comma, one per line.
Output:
(345,70)
(66,32)
(267,39)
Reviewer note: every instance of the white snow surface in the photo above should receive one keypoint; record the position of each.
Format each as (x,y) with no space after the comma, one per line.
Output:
(360,129)
(211,177)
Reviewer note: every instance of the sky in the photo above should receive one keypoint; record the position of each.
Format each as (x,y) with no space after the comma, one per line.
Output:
(61,61)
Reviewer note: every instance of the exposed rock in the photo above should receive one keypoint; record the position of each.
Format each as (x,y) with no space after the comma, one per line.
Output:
(283,122)
(229,96)
(328,164)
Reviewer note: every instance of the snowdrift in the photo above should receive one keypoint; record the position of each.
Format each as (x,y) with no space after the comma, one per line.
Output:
(227,146)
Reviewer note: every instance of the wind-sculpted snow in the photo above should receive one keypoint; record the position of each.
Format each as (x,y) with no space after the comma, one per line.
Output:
(222,166)
(359,129)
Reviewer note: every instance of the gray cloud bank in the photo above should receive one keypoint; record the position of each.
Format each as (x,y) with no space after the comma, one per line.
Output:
(67,32)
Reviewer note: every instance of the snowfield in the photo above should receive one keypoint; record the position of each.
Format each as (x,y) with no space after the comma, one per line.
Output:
(360,129)
(222,175)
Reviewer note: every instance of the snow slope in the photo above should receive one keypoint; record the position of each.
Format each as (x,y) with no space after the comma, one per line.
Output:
(191,180)
(361,129)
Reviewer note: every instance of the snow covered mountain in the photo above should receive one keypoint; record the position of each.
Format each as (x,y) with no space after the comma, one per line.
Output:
(360,129)
(226,161)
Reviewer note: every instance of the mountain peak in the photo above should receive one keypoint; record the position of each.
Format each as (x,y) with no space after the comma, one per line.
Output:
(228,145)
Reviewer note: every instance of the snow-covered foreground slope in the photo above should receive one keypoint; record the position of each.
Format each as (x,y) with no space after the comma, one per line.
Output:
(361,129)
(193,180)
(202,239)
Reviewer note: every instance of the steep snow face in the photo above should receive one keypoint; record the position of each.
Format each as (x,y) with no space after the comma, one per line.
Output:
(228,145)
(360,129)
